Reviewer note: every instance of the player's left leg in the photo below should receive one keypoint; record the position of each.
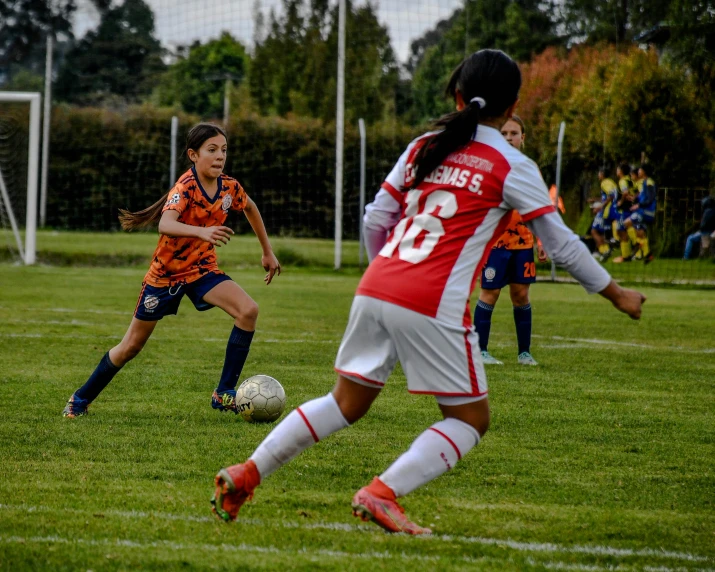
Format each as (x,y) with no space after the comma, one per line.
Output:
(433,453)
(522,320)
(233,300)
(302,428)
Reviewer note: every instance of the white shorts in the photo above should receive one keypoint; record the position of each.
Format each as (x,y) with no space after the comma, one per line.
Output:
(438,358)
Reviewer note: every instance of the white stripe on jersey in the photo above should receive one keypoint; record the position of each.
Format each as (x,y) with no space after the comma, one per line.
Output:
(459,284)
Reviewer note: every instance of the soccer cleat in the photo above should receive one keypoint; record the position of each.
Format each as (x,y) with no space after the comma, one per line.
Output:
(649,258)
(621,259)
(489,359)
(75,407)
(226,401)
(525,358)
(377,502)
(597,256)
(234,486)
(638,255)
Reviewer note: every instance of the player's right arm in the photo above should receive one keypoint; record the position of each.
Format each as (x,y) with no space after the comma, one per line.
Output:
(525,191)
(169,225)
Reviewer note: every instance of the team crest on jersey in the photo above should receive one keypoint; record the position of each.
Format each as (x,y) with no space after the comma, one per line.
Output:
(227,202)
(173,199)
(490,273)
(151,302)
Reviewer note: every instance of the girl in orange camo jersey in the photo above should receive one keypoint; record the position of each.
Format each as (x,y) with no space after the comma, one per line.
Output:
(191,219)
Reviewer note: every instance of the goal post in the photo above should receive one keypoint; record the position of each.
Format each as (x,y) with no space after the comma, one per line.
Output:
(33,154)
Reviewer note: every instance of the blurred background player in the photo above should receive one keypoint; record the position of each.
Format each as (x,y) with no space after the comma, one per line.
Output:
(600,227)
(511,261)
(455,188)
(623,209)
(642,214)
(191,217)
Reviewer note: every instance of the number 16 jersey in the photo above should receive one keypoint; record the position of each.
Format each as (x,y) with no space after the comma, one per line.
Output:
(446,226)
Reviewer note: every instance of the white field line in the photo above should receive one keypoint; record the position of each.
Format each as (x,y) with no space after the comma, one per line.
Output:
(538,547)
(577,343)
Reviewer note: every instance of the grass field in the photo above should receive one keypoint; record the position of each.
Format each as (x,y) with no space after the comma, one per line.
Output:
(601,458)
(122,249)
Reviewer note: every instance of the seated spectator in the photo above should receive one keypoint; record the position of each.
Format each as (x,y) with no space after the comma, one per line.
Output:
(702,235)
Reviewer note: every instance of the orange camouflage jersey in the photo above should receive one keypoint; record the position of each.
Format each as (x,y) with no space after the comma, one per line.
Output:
(517,235)
(183,259)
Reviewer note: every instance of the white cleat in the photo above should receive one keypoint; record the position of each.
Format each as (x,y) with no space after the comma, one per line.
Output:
(489,359)
(525,358)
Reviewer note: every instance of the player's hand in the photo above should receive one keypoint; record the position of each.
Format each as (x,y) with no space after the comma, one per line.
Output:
(271,265)
(216,235)
(541,254)
(629,302)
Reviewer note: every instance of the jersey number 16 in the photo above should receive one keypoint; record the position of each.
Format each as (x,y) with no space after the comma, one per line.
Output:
(403,238)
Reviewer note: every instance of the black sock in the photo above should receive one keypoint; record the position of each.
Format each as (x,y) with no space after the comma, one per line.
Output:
(100,378)
(483,323)
(522,319)
(239,342)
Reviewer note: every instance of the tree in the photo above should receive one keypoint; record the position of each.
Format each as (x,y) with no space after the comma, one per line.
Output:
(24,25)
(295,66)
(521,28)
(197,80)
(121,58)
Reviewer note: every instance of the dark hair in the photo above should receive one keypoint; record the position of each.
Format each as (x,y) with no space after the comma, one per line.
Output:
(519,121)
(196,137)
(625,168)
(647,169)
(489,75)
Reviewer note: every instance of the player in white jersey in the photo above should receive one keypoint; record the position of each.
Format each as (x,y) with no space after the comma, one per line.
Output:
(428,232)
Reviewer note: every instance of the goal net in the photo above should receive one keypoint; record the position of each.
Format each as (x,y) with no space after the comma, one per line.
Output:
(19,165)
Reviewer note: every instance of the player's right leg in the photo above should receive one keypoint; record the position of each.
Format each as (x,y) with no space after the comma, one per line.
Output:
(154,303)
(365,360)
(132,343)
(302,428)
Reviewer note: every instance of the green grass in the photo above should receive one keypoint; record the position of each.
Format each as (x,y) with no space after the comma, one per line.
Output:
(601,458)
(63,248)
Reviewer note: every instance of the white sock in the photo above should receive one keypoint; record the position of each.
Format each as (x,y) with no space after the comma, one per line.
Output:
(302,428)
(434,452)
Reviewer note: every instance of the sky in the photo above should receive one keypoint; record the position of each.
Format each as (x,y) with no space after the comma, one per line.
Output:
(183,21)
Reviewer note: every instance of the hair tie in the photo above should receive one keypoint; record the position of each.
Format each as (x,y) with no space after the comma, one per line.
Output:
(480,101)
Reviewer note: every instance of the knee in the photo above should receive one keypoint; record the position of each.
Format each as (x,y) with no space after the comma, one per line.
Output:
(249,312)
(129,350)
(489,296)
(520,297)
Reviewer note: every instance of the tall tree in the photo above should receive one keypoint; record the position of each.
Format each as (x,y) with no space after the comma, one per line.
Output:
(120,58)
(24,25)
(197,80)
(294,68)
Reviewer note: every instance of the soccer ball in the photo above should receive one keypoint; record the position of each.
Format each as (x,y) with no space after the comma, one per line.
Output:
(260,399)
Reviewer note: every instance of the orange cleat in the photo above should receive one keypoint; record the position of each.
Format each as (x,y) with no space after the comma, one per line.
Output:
(377,502)
(234,486)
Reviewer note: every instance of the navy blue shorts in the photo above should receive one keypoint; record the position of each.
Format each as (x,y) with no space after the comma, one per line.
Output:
(508,267)
(156,302)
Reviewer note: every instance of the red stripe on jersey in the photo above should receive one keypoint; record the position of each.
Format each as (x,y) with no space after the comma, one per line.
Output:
(537,213)
(459,455)
(470,365)
(360,377)
(310,427)
(141,295)
(394,193)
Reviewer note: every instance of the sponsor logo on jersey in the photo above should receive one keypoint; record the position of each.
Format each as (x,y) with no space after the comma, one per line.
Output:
(151,302)
(227,202)
(490,273)
(173,199)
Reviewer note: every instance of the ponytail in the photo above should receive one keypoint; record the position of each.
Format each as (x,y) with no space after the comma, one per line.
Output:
(487,80)
(144,218)
(458,129)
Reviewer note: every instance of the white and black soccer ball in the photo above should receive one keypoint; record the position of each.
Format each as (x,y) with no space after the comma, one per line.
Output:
(260,399)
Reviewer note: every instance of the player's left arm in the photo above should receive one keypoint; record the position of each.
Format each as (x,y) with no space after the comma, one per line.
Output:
(268,260)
